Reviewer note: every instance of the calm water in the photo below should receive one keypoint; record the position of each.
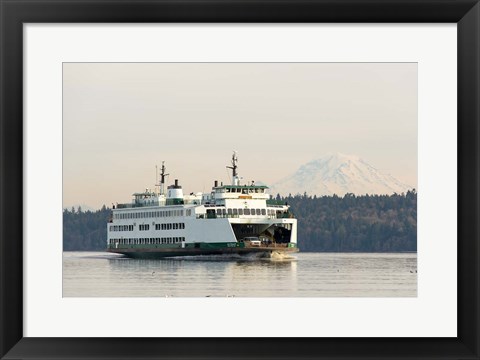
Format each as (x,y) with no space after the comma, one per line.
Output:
(303,275)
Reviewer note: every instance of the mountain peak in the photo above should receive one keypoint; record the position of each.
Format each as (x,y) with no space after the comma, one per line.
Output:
(337,173)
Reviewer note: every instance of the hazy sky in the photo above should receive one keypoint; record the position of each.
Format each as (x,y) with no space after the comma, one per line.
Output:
(120,120)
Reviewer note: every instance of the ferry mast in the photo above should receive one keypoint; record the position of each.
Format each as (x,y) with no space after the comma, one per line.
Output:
(162,179)
(235,179)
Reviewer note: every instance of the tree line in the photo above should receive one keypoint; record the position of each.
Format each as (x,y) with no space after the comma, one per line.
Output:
(369,223)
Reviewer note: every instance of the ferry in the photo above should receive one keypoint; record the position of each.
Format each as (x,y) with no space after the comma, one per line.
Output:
(240,219)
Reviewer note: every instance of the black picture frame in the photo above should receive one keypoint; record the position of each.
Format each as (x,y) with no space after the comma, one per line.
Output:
(14,13)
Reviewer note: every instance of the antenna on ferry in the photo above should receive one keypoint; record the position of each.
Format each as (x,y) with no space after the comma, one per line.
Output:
(234,168)
(162,179)
(156,179)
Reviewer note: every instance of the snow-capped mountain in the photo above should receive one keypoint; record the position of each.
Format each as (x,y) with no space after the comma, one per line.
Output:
(338,174)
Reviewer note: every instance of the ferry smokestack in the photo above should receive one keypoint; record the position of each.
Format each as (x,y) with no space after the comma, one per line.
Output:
(175,194)
(216,183)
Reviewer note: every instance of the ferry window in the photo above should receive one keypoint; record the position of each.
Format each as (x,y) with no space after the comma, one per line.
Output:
(244,191)
(264,212)
(229,211)
(224,212)
(169,226)
(246,211)
(111,227)
(235,212)
(228,190)
(258,212)
(240,211)
(219,211)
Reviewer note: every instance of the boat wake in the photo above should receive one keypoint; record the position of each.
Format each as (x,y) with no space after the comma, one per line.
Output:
(278,256)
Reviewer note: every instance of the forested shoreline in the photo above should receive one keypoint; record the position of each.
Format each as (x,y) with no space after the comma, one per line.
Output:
(370,223)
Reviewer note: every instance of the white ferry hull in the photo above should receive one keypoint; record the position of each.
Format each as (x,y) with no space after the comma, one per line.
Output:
(203,236)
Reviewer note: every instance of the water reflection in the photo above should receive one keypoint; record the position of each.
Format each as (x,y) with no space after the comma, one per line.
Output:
(305,274)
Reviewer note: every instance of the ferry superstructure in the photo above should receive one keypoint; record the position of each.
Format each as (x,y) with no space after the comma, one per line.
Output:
(231,219)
